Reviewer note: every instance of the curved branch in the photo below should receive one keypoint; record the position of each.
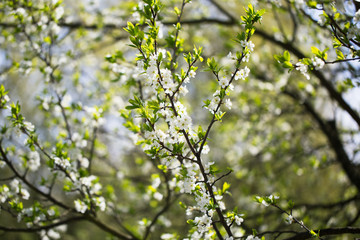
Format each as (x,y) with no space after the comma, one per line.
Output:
(165,208)
(330,130)
(46,227)
(224,11)
(108,229)
(67,221)
(335,95)
(326,232)
(328,205)
(30,185)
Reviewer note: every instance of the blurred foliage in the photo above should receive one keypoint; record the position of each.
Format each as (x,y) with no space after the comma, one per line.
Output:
(285,135)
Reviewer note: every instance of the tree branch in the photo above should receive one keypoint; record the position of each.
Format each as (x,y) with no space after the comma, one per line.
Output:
(330,130)
(328,205)
(46,227)
(30,185)
(326,232)
(108,229)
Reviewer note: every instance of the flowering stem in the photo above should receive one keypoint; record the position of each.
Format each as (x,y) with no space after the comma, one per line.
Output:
(34,188)
(212,195)
(295,219)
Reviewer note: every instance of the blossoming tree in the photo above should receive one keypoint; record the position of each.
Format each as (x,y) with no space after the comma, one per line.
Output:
(162,119)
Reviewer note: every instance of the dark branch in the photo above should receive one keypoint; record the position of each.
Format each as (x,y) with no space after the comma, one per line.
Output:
(30,185)
(330,130)
(108,229)
(46,227)
(329,205)
(326,232)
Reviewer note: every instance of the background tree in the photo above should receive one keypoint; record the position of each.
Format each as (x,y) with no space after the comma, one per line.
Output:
(113,115)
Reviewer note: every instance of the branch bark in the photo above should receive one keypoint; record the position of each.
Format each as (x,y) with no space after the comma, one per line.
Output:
(330,130)
(326,232)
(46,227)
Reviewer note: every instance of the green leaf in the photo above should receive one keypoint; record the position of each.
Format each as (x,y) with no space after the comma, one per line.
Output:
(315,50)
(130,28)
(288,64)
(339,54)
(218,116)
(182,205)
(47,40)
(312,4)
(336,43)
(287,55)
(314,234)
(226,186)
(177,11)
(290,204)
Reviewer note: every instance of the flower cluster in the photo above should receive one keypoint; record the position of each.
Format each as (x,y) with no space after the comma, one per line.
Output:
(15,191)
(53,233)
(318,63)
(303,68)
(62,163)
(167,133)
(249,48)
(242,73)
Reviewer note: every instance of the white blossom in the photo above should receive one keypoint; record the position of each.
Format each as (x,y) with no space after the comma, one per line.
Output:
(64,163)
(251,237)
(33,161)
(230,56)
(322,20)
(84,162)
(58,13)
(203,223)
(66,101)
(228,103)
(14,185)
(95,114)
(318,63)
(53,235)
(46,103)
(289,219)
(303,68)
(238,220)
(300,3)
(101,203)
(242,73)
(78,140)
(24,194)
(4,194)
(158,196)
(2,164)
(189,184)
(20,12)
(250,45)
(55,29)
(357,17)
(80,206)
(87,181)
(29,126)
(246,58)
(167,236)
(51,212)
(224,82)
(206,149)
(183,90)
